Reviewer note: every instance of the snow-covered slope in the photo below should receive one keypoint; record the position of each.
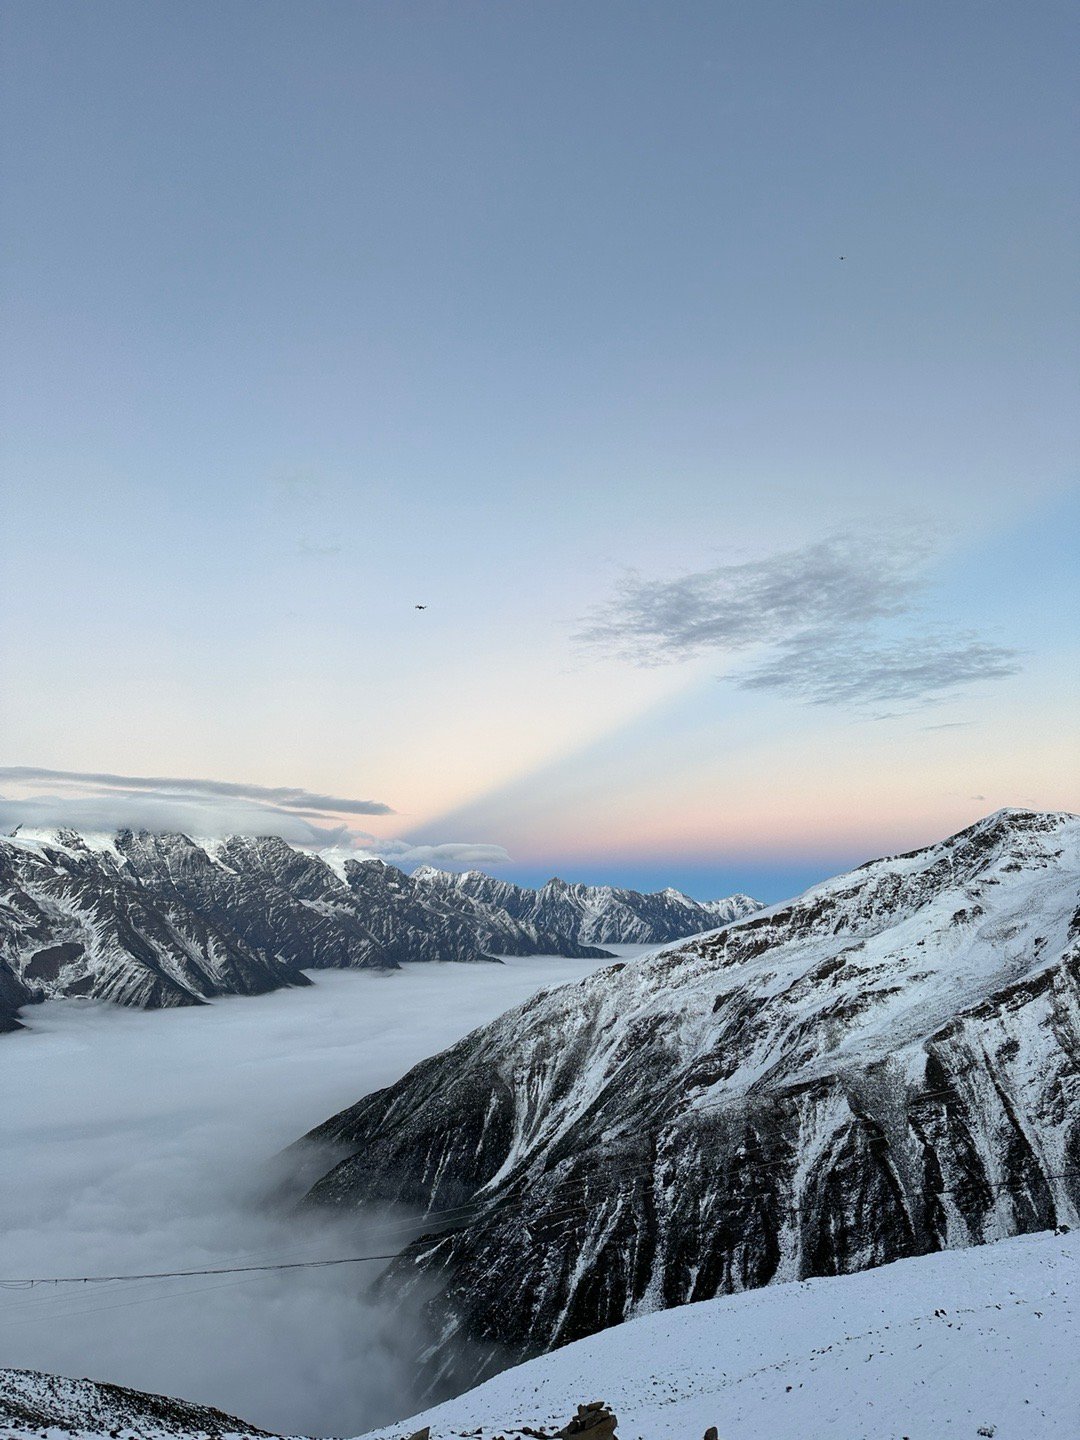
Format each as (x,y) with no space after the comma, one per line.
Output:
(157,920)
(974,1343)
(886,1066)
(33,1404)
(595,914)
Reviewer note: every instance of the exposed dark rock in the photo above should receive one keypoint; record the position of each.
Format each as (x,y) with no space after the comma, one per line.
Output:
(159,920)
(594,1421)
(108,922)
(14,994)
(839,1082)
(46,964)
(593,914)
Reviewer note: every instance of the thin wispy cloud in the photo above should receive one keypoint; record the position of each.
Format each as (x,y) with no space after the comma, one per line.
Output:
(208,817)
(836,583)
(301,497)
(839,615)
(449,856)
(103,801)
(843,669)
(301,487)
(287,796)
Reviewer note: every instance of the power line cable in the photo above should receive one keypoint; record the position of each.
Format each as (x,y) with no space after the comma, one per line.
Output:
(361,1259)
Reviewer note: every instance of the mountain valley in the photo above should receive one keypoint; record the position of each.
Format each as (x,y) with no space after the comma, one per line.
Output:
(156,921)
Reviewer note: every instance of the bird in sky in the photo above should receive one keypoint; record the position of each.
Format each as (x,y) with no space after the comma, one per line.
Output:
(419,607)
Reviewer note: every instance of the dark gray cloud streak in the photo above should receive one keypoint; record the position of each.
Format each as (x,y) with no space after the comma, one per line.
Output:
(104,801)
(284,795)
(838,614)
(835,583)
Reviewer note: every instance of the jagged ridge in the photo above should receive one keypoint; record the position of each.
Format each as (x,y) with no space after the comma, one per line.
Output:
(157,920)
(160,920)
(595,914)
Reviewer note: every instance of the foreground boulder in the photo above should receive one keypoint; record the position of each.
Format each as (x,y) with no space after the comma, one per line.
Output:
(594,1421)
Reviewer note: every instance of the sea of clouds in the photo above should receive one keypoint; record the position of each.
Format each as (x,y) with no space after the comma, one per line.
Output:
(145,1142)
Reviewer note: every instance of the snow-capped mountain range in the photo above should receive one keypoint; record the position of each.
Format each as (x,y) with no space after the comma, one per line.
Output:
(886,1066)
(594,914)
(157,920)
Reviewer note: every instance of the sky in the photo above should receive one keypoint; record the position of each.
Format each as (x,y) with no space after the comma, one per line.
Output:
(708,372)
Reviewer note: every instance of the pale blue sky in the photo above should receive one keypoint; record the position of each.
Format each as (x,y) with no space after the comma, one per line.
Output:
(317,310)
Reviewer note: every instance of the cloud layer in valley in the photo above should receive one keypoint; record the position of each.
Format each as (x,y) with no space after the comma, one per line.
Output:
(143,1142)
(840,616)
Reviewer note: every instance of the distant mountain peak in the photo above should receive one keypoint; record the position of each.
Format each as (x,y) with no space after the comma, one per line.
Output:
(594,914)
(430,872)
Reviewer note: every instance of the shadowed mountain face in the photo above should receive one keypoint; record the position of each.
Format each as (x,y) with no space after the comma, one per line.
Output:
(886,1066)
(13,996)
(160,920)
(594,914)
(119,921)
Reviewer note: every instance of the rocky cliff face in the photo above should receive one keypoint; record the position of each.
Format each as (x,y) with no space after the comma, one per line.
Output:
(13,996)
(417,921)
(84,918)
(886,1066)
(594,914)
(160,920)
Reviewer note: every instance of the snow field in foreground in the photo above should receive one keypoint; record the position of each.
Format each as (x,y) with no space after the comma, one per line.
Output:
(857,1357)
